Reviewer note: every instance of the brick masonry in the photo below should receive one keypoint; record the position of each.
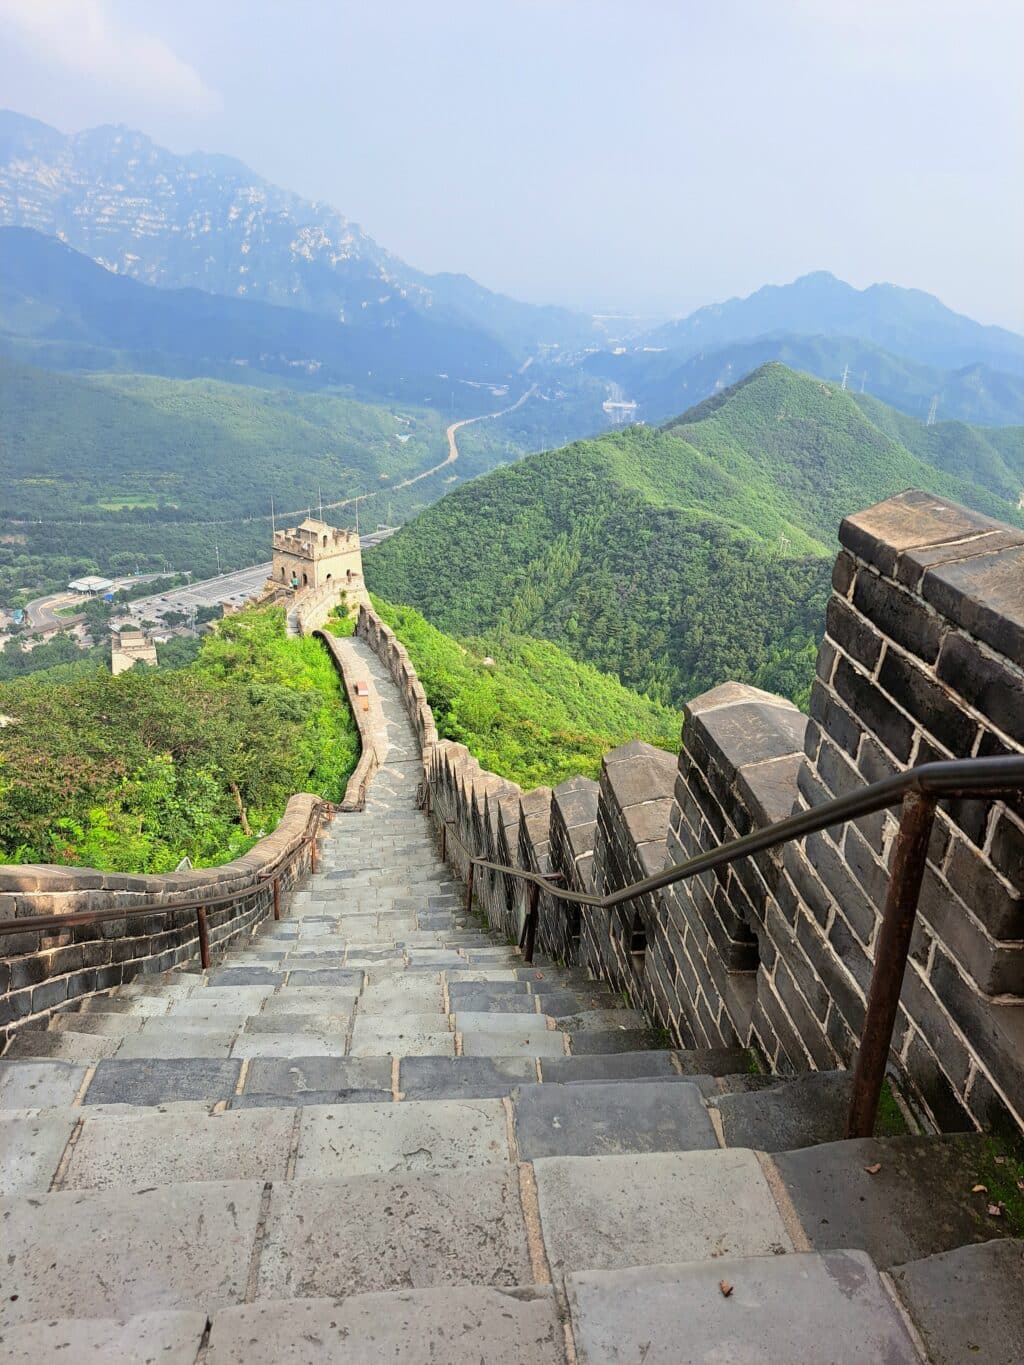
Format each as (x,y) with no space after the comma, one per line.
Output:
(922,659)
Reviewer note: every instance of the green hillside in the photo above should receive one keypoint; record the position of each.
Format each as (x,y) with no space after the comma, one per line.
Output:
(133,773)
(675,558)
(531,713)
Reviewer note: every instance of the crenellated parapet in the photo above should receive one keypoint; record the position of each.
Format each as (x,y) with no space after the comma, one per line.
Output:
(922,659)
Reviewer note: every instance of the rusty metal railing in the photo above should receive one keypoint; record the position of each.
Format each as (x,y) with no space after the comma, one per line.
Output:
(917,791)
(272,872)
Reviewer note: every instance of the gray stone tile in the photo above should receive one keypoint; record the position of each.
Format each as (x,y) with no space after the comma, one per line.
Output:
(614,1066)
(172,1338)
(411,1035)
(591,1042)
(916,1204)
(39,1085)
(86,1048)
(604,1118)
(232,1000)
(296,1075)
(799,1113)
(346,978)
(285,1045)
(527,1041)
(450,1326)
(606,1212)
(215,1043)
(781,1310)
(384,1139)
(31,1149)
(298,1025)
(966,1303)
(162,1080)
(309,1000)
(602,1021)
(389,1236)
(112,1024)
(466,1077)
(163,1248)
(165,1149)
(243,976)
(256,1100)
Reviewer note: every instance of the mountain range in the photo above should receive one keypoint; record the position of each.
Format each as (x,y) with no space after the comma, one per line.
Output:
(209,222)
(701,550)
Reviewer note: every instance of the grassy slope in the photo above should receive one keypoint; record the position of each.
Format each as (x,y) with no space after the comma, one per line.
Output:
(199,445)
(535,716)
(675,558)
(135,772)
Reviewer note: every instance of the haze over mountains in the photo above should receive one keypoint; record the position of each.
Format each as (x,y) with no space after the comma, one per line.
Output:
(167,322)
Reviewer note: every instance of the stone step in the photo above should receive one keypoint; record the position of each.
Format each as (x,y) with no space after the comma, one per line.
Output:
(899,1199)
(804,1112)
(593,1118)
(966,1303)
(461,1326)
(779,1310)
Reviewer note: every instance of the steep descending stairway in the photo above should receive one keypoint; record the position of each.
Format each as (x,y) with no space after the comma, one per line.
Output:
(374,1134)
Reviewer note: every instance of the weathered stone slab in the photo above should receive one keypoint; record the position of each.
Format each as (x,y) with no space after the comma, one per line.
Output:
(382,1139)
(615,1066)
(287,1044)
(435,959)
(409,1035)
(529,1041)
(799,1113)
(163,1248)
(781,1310)
(605,1212)
(345,978)
(966,1303)
(215,1043)
(495,1004)
(166,1149)
(171,1338)
(599,1119)
(64,1046)
(462,1326)
(230,1001)
(463,1077)
(297,1026)
(113,1024)
(916,1204)
(388,1236)
(39,1085)
(309,1000)
(602,1021)
(591,1042)
(255,1100)
(161,1080)
(31,1149)
(407,994)
(296,1075)
(243,976)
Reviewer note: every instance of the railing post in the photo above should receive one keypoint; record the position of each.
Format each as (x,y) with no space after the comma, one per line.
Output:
(469,886)
(312,854)
(444,839)
(530,927)
(204,938)
(891,950)
(277,897)
(426,803)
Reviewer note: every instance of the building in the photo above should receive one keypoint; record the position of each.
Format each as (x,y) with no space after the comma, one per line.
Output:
(90,585)
(314,554)
(129,647)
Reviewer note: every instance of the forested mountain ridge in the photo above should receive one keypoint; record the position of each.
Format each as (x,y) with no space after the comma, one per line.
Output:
(665,382)
(61,309)
(210,222)
(905,322)
(675,557)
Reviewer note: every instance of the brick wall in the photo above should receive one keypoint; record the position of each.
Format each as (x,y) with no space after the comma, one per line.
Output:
(923,658)
(41,972)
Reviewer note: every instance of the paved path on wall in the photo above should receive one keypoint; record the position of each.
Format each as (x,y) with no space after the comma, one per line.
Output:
(375,1134)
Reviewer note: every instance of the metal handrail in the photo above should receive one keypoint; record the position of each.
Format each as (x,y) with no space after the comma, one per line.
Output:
(917,791)
(30,923)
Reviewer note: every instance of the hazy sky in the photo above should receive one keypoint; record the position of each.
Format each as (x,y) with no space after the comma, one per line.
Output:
(637,155)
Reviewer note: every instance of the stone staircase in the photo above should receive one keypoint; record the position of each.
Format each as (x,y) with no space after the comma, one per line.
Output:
(373,1133)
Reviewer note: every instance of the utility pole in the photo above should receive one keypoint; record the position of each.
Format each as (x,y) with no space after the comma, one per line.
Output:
(273,522)
(320,500)
(216,548)
(846,374)
(932,411)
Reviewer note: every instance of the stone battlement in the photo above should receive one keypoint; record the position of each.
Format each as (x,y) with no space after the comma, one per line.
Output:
(922,659)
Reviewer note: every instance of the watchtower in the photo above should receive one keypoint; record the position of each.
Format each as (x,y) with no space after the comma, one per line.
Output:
(313,554)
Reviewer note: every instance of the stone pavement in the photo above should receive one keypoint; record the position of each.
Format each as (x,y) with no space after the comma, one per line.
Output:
(374,1134)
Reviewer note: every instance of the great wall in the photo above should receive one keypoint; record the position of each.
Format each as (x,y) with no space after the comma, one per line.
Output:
(369,1121)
